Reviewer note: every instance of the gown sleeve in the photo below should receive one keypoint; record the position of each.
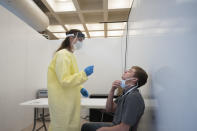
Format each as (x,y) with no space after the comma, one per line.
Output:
(63,69)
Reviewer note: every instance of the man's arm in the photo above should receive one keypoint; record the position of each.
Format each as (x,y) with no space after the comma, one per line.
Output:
(110,105)
(120,127)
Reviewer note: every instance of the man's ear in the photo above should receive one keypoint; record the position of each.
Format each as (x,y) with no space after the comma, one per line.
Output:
(135,79)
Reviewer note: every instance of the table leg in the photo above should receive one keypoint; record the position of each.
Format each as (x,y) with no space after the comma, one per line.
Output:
(43,120)
(35,114)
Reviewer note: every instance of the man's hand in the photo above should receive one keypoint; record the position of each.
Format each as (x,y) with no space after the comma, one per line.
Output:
(115,85)
(110,105)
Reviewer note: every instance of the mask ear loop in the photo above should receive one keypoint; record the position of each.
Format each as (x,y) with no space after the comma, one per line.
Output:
(137,85)
(130,79)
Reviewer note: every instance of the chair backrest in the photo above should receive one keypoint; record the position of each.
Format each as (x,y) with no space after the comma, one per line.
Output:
(134,128)
(42,93)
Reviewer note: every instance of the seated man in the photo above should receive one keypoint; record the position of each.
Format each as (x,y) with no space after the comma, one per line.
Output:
(128,108)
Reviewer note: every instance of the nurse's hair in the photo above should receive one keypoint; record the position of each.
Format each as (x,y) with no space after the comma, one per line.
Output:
(141,75)
(66,43)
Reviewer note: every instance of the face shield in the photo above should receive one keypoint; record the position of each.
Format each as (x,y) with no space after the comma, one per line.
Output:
(79,39)
(80,36)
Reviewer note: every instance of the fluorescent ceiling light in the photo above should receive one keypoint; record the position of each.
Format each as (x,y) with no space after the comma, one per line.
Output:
(61,5)
(115,33)
(116,26)
(95,26)
(118,4)
(96,34)
(60,35)
(56,28)
(75,26)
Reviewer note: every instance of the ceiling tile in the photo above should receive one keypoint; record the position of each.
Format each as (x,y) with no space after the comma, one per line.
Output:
(56,28)
(96,33)
(95,26)
(60,35)
(91,4)
(61,5)
(68,18)
(118,15)
(93,17)
(119,4)
(75,26)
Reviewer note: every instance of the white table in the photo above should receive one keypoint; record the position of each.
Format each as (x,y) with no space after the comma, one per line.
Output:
(97,103)
(43,103)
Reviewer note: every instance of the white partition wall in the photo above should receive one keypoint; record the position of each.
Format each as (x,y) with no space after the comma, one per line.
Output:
(105,55)
(162,39)
(24,57)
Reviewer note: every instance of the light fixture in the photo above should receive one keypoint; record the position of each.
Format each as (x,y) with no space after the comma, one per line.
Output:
(95,26)
(116,26)
(96,33)
(115,33)
(118,4)
(60,35)
(61,5)
(55,28)
(75,26)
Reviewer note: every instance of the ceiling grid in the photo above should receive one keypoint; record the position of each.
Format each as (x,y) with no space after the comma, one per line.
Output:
(95,18)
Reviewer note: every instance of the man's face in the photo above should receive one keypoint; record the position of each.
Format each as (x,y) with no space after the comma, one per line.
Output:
(128,74)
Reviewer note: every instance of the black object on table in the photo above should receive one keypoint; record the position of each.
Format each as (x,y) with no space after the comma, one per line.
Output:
(99,115)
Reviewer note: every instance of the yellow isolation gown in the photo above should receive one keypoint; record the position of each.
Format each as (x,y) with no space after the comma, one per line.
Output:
(64,84)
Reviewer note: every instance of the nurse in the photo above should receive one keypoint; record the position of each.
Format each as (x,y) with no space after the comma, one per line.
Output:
(64,83)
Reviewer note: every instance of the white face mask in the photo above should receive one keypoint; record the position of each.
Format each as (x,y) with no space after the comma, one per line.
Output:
(78,45)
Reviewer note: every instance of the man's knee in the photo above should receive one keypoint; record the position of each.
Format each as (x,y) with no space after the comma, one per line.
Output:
(91,126)
(86,127)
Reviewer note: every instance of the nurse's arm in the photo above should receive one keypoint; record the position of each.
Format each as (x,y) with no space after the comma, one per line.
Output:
(62,70)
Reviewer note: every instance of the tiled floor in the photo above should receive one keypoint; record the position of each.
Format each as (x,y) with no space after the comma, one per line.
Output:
(30,127)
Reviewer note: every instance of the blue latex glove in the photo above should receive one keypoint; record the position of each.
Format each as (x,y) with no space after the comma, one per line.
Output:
(89,70)
(84,92)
